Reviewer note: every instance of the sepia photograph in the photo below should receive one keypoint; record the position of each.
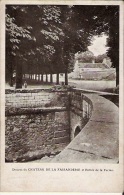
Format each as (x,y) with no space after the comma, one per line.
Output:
(62,83)
(61,92)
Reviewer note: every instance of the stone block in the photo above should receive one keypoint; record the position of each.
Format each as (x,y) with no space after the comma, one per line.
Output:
(61,140)
(62,117)
(61,133)
(15,129)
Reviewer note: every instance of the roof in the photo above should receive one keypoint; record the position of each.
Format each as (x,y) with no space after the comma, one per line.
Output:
(92,65)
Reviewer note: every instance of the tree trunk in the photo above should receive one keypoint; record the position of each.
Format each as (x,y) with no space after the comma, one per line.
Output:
(11,77)
(18,76)
(11,82)
(42,78)
(66,78)
(51,78)
(57,78)
(38,77)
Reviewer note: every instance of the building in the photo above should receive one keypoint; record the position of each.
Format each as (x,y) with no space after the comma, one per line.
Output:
(93,71)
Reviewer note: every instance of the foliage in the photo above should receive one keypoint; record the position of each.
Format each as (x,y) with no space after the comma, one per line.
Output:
(107,21)
(100,58)
(86,56)
(44,38)
(15,36)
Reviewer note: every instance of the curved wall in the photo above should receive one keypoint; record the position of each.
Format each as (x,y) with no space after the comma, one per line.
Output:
(98,141)
(80,111)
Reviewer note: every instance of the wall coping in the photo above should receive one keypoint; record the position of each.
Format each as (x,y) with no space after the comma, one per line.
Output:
(98,141)
(19,111)
(56,88)
(93,91)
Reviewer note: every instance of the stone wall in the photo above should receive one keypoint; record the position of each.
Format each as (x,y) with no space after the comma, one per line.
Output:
(36,98)
(42,121)
(98,141)
(34,135)
(80,111)
(37,123)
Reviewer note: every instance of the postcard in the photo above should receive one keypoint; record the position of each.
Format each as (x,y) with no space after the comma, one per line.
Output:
(62,96)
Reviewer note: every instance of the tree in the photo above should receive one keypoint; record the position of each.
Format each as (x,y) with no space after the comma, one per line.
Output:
(14,34)
(113,40)
(100,58)
(103,24)
(48,36)
(86,56)
(43,35)
(54,38)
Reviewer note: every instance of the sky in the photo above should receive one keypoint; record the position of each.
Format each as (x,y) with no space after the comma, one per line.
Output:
(98,46)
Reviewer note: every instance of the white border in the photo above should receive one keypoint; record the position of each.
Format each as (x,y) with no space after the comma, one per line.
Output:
(61,181)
